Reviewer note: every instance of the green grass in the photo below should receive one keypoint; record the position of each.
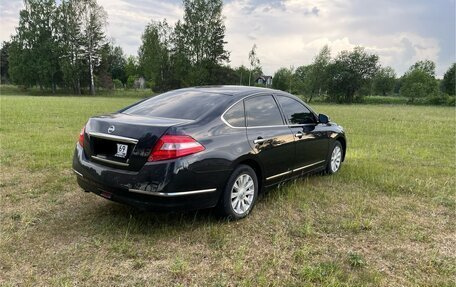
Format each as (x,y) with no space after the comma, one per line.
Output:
(124,93)
(372,100)
(387,219)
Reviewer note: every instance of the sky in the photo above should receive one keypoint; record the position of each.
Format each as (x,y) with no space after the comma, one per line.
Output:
(289,33)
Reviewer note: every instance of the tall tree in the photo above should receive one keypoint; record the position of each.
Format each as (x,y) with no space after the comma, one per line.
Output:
(199,43)
(384,81)
(116,63)
(93,24)
(131,70)
(112,66)
(302,80)
(180,64)
(33,54)
(282,79)
(350,71)
(419,81)
(242,75)
(154,52)
(426,66)
(4,76)
(70,41)
(254,62)
(317,74)
(448,82)
(204,31)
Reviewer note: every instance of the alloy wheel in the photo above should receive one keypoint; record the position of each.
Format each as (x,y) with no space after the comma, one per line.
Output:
(242,194)
(336,158)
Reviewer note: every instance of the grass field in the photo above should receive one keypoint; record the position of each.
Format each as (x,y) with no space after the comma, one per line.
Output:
(387,219)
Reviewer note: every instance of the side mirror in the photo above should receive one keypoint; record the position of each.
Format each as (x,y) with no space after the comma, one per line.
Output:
(323,119)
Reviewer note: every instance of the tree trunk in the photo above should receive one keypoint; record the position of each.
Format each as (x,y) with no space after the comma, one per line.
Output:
(78,87)
(53,86)
(250,76)
(92,85)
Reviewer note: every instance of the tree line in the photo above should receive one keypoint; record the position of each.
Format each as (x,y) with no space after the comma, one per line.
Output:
(351,75)
(64,46)
(57,45)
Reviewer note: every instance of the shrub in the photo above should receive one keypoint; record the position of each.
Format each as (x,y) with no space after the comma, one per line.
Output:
(131,81)
(418,84)
(438,98)
(150,84)
(117,84)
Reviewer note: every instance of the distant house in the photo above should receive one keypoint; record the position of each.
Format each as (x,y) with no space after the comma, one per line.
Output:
(264,80)
(139,83)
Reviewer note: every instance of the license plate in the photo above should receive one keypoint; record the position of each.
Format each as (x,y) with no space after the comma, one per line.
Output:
(121,150)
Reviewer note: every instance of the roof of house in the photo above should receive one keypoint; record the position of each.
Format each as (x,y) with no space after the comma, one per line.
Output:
(265,77)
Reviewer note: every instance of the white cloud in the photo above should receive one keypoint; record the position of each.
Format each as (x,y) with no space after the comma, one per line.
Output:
(9,18)
(127,19)
(291,32)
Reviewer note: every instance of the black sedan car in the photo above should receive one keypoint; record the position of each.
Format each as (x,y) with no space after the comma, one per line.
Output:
(205,147)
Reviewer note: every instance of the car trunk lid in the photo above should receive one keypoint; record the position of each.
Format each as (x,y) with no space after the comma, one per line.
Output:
(124,141)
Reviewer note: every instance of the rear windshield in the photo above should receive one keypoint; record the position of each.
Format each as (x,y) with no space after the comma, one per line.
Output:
(188,105)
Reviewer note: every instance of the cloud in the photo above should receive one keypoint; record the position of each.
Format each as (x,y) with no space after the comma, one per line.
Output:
(291,32)
(127,19)
(9,18)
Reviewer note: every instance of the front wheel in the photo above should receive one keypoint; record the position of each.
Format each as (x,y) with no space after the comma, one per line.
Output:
(240,193)
(335,158)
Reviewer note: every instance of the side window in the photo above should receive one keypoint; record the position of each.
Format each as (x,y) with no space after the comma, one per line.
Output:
(262,111)
(295,112)
(235,115)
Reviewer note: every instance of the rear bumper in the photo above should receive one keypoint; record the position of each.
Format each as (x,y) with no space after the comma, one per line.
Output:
(170,185)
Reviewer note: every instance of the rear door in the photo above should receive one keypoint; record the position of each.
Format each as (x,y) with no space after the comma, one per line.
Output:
(269,137)
(311,140)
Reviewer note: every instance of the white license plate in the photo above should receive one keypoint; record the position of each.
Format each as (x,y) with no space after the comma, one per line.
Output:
(121,150)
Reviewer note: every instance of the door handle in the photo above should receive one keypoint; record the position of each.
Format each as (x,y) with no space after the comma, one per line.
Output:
(259,140)
(299,134)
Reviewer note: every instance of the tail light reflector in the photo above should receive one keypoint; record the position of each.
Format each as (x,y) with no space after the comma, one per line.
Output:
(81,137)
(174,146)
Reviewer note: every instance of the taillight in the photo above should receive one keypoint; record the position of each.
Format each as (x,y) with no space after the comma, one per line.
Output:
(81,137)
(174,146)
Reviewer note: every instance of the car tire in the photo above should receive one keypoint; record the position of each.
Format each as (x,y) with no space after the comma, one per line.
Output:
(240,194)
(335,156)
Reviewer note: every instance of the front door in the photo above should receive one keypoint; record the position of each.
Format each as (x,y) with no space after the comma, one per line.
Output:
(269,137)
(311,139)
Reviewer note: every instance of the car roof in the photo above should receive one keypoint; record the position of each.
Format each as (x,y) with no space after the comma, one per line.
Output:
(234,90)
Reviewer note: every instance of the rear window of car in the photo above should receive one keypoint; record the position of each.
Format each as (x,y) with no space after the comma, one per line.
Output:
(235,115)
(188,105)
(262,111)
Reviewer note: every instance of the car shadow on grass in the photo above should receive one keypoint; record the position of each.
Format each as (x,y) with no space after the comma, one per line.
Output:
(119,216)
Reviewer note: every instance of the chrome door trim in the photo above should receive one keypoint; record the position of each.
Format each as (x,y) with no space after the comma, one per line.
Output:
(280,174)
(296,169)
(309,165)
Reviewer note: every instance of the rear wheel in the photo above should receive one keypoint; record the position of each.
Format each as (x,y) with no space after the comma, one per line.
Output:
(240,193)
(335,158)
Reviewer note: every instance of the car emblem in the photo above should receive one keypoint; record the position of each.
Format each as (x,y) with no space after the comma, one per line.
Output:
(111,129)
